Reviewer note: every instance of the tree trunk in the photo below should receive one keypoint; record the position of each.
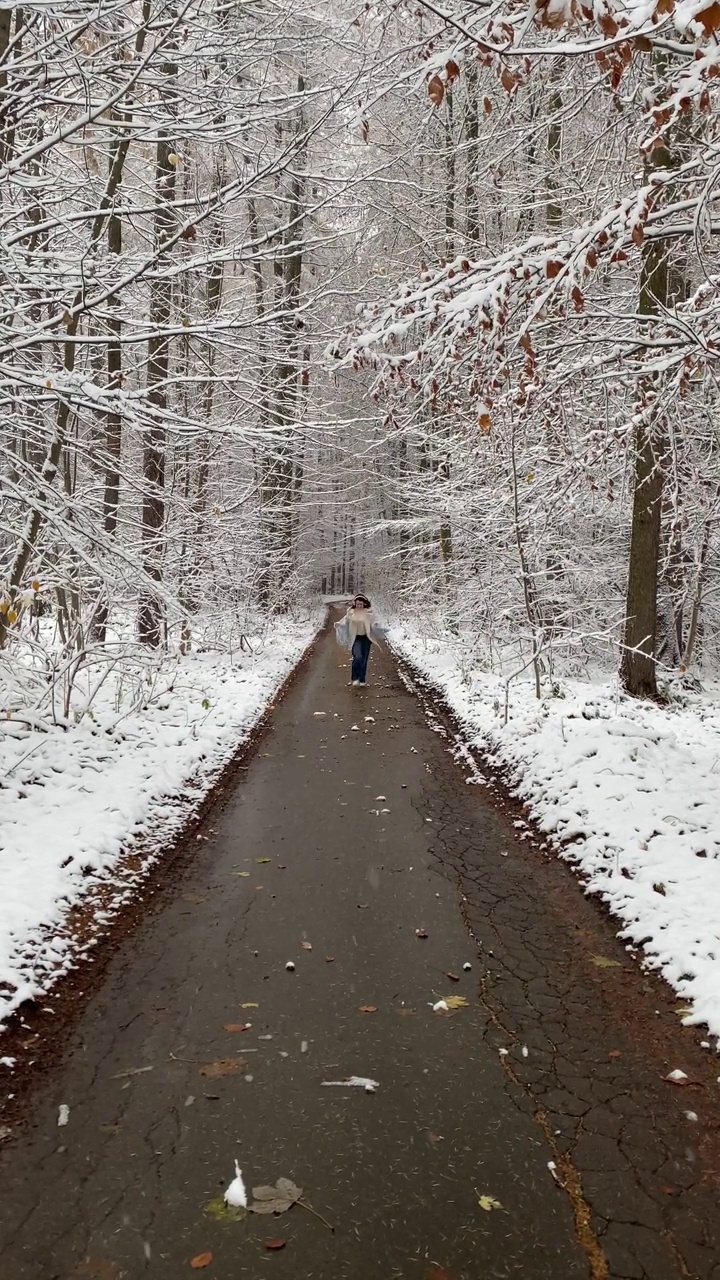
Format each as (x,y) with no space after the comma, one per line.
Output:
(151,611)
(638,665)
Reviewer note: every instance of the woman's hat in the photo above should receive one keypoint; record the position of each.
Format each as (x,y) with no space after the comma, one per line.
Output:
(364,599)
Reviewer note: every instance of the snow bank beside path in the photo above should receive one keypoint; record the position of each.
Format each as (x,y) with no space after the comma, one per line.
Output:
(72,801)
(628,792)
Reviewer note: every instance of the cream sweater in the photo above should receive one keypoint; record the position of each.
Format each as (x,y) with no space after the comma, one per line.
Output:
(360,623)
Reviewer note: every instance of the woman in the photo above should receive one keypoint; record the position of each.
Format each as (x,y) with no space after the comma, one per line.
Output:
(359,620)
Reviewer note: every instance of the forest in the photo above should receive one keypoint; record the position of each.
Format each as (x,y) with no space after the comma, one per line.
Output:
(418,297)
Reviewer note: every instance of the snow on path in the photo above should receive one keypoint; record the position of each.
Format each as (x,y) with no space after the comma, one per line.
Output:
(628,792)
(73,800)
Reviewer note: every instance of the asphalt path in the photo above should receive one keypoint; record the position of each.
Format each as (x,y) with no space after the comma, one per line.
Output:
(526,1133)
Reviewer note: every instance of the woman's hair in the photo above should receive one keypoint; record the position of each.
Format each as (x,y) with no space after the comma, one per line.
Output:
(364,599)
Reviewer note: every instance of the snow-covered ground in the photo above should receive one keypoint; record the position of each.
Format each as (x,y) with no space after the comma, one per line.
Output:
(628,792)
(74,800)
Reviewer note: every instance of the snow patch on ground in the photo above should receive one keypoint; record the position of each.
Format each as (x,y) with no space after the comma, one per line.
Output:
(628,792)
(73,800)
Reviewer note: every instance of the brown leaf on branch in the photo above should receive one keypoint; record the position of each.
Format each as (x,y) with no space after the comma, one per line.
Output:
(553,267)
(709,18)
(436,90)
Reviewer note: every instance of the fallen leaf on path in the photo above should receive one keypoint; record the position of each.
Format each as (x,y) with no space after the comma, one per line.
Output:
(222,1067)
(262,860)
(195,898)
(277,1199)
(219,1211)
(306,946)
(488,1203)
(244,874)
(63,1115)
(367,1008)
(676,1077)
(420,933)
(362,906)
(236,1026)
(603,962)
(329,959)
(201,1260)
(454,977)
(615,1053)
(434,1138)
(250,1004)
(131,1071)
(277,1243)
(456,1002)
(97,1269)
(437,1272)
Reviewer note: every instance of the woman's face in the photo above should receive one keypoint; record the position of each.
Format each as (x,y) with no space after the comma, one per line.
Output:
(359,604)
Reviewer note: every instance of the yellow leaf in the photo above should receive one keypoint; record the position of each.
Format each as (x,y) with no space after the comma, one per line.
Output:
(455,1002)
(488,1203)
(35,584)
(250,1004)
(12,616)
(530,477)
(602,962)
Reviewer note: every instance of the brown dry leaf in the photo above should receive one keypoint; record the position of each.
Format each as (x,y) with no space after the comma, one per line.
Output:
(614,1053)
(306,946)
(277,1199)
(329,959)
(222,1067)
(454,977)
(420,933)
(97,1269)
(434,1138)
(201,1260)
(710,18)
(367,1008)
(236,1026)
(436,90)
(437,1272)
(277,1243)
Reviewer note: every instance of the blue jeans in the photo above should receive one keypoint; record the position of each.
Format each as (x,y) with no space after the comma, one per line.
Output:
(360,655)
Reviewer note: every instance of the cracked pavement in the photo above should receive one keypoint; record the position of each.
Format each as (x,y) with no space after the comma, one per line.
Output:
(546,1092)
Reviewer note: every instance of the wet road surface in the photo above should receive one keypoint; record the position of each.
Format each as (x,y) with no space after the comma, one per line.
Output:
(545,1092)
